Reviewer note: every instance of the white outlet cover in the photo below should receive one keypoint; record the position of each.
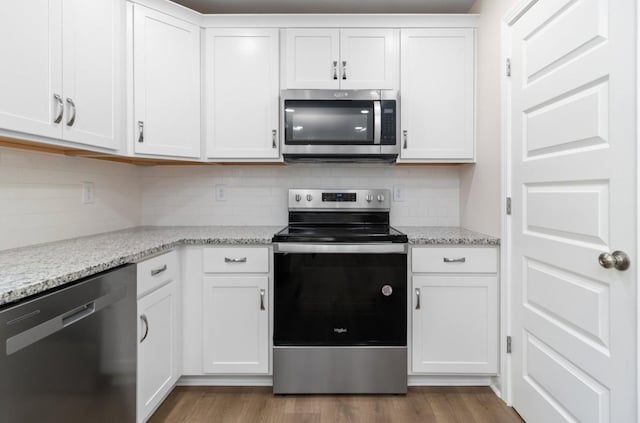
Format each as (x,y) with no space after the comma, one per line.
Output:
(88,193)
(221,193)
(398,193)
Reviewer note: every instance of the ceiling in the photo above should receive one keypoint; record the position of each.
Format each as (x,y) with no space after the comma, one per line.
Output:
(328,6)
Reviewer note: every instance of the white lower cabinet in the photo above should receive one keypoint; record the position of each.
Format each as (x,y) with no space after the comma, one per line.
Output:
(236,325)
(455,313)
(159,343)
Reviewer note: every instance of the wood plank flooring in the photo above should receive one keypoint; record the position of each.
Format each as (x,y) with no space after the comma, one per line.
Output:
(259,405)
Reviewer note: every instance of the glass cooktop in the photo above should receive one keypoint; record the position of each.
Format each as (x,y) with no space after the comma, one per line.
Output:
(345,233)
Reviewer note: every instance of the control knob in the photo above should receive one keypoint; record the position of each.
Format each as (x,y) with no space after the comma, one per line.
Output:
(380,198)
(298,197)
(309,197)
(369,198)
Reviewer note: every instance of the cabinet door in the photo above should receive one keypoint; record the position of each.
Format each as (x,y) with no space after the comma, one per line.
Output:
(167,85)
(312,58)
(437,93)
(369,59)
(236,324)
(242,93)
(455,324)
(157,348)
(92,72)
(31,67)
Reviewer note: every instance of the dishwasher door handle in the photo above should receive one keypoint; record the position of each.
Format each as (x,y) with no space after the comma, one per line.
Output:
(40,331)
(78,314)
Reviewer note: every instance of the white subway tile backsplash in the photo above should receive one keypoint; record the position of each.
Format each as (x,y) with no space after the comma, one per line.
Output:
(257,195)
(41,194)
(41,197)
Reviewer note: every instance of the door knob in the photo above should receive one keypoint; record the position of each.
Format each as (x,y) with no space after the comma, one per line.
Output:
(618,259)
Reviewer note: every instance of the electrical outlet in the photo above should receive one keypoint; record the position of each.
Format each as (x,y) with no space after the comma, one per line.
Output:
(398,193)
(221,193)
(88,192)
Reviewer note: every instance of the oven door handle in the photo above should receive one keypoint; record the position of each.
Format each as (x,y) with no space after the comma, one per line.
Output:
(293,247)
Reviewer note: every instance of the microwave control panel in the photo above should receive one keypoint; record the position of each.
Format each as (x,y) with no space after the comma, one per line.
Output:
(388,134)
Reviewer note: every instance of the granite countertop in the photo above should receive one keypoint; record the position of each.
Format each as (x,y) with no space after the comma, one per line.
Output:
(446,235)
(32,270)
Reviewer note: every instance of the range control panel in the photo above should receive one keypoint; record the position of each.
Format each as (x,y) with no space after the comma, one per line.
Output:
(363,199)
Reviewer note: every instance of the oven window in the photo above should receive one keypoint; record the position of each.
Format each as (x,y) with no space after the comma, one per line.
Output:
(328,122)
(340,299)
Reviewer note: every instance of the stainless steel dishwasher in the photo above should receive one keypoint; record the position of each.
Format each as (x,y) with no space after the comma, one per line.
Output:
(70,355)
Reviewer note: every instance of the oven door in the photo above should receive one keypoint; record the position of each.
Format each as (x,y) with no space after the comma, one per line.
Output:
(340,295)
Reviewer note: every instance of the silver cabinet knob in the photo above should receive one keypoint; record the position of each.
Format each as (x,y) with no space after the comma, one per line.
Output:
(298,197)
(309,197)
(380,198)
(618,259)
(369,198)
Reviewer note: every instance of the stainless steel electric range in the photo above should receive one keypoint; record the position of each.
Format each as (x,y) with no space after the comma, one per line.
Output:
(340,315)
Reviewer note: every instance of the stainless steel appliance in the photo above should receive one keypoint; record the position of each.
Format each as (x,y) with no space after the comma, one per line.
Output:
(70,355)
(340,126)
(340,295)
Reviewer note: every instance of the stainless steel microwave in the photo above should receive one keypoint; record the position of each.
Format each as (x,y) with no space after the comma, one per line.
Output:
(339,126)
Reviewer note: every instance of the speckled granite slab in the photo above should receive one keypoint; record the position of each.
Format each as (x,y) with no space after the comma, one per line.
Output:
(446,235)
(31,270)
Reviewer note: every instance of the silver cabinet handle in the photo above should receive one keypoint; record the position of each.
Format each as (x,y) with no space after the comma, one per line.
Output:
(335,69)
(344,69)
(146,328)
(618,259)
(58,99)
(140,131)
(72,105)
(235,260)
(159,270)
(456,260)
(262,299)
(274,136)
(404,136)
(417,298)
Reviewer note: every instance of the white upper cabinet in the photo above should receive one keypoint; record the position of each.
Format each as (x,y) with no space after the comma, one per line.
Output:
(166,85)
(60,75)
(312,58)
(437,94)
(368,58)
(31,67)
(341,58)
(92,71)
(242,91)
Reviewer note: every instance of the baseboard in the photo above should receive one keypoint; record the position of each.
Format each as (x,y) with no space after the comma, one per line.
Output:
(227,380)
(448,380)
(496,390)
(267,380)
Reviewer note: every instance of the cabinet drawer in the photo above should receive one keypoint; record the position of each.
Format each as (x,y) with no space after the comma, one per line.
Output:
(236,260)
(156,271)
(454,260)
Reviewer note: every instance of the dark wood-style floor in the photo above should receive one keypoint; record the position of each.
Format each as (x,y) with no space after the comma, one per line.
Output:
(258,405)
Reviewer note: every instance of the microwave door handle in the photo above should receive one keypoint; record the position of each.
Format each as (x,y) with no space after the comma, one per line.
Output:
(377,122)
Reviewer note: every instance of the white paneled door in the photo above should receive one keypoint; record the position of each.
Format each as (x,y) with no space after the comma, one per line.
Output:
(573,169)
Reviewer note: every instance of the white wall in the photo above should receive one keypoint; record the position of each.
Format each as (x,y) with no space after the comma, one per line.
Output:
(256,195)
(480,184)
(41,197)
